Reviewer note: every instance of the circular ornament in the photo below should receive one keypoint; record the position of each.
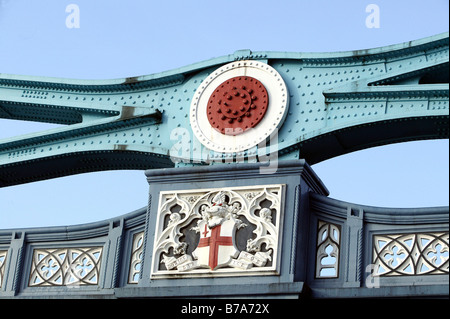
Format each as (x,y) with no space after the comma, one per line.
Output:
(238,106)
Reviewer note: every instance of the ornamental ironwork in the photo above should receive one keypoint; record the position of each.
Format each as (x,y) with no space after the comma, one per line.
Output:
(136,258)
(3,254)
(411,254)
(65,266)
(328,246)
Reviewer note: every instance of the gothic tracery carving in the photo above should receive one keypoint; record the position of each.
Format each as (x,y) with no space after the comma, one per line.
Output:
(65,266)
(411,254)
(231,230)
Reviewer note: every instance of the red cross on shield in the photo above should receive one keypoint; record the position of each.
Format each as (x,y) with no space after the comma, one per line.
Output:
(216,247)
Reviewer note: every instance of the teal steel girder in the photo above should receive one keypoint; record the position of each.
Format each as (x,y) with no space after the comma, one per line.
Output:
(339,103)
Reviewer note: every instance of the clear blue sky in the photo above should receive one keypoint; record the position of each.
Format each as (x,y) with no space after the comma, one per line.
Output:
(125,38)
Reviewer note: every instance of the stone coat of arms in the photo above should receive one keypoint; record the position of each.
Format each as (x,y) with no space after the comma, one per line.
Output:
(226,231)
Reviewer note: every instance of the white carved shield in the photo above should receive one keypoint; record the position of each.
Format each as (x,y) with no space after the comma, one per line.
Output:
(216,247)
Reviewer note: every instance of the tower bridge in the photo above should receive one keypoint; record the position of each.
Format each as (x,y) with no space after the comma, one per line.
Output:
(238,112)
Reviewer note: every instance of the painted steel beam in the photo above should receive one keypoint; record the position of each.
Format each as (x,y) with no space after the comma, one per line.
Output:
(337,103)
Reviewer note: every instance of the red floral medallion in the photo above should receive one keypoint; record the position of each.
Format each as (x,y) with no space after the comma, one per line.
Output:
(237,105)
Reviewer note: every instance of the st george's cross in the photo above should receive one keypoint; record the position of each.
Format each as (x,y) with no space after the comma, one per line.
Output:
(216,247)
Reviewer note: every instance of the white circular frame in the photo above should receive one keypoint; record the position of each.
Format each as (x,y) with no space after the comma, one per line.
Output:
(272,120)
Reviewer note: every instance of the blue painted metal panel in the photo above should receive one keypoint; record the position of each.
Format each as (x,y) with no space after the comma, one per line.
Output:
(341,102)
